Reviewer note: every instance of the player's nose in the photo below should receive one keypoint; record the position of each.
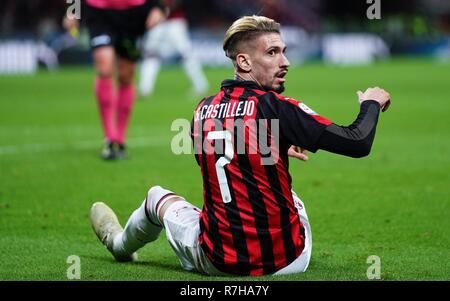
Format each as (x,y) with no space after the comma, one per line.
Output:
(284,61)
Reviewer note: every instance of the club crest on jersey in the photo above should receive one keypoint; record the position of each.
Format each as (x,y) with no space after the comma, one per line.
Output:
(306,109)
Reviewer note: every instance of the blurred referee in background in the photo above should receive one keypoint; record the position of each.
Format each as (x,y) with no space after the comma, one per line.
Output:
(114,27)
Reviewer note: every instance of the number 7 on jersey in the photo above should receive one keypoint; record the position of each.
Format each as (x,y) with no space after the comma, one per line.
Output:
(224,160)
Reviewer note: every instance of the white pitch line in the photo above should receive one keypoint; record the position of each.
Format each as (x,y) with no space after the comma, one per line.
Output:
(80,145)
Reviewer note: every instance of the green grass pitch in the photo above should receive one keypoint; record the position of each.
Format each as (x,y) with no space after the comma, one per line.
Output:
(394,204)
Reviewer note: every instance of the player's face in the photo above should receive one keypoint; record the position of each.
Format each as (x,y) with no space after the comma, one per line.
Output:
(269,63)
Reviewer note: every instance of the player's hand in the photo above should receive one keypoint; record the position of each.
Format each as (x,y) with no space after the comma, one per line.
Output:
(377,94)
(71,26)
(299,153)
(155,16)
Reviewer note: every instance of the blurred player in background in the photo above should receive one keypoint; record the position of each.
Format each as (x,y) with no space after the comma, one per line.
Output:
(252,223)
(114,27)
(170,39)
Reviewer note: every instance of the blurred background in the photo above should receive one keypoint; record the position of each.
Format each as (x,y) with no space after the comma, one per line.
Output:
(338,32)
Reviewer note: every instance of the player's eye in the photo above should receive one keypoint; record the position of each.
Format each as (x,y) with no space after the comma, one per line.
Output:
(271,52)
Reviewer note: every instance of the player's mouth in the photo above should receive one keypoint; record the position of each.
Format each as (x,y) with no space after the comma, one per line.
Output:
(280,75)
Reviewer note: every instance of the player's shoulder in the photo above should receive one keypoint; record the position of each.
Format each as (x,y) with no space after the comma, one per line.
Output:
(204,100)
(273,96)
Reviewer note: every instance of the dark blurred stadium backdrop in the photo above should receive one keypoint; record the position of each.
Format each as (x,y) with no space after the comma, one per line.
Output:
(336,31)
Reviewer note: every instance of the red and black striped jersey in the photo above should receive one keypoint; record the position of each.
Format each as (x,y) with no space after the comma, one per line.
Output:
(249,224)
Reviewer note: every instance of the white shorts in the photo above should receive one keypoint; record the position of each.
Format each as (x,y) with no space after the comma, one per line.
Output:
(181,222)
(301,263)
(167,39)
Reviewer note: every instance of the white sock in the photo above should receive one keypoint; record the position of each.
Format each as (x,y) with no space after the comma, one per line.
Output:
(195,73)
(137,233)
(143,226)
(149,72)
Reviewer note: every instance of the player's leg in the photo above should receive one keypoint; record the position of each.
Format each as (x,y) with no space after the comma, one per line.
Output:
(131,26)
(301,263)
(104,62)
(195,73)
(150,68)
(125,101)
(180,35)
(161,209)
(181,222)
(142,227)
(151,62)
(101,41)
(106,226)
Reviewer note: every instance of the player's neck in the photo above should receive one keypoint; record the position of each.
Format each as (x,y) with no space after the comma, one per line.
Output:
(246,77)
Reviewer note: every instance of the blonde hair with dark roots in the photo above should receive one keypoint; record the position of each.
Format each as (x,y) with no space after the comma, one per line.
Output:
(245,29)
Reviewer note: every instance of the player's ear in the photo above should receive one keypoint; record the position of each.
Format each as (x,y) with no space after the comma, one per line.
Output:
(243,62)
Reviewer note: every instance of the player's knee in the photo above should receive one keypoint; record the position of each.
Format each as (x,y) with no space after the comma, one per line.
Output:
(105,73)
(104,68)
(151,201)
(126,74)
(153,192)
(158,195)
(125,80)
(155,197)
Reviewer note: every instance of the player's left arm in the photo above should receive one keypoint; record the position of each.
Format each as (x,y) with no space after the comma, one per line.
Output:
(356,139)
(302,127)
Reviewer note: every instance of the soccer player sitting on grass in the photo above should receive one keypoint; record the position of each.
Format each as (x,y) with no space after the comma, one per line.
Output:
(252,223)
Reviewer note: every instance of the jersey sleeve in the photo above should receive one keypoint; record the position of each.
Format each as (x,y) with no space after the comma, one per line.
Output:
(299,124)
(356,139)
